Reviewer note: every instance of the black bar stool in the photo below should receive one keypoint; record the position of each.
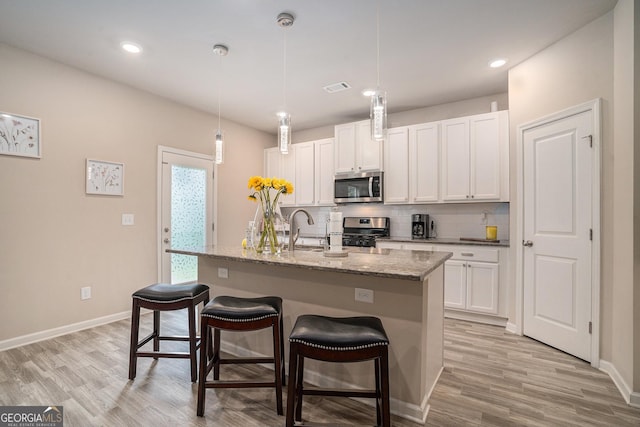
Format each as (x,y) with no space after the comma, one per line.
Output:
(330,339)
(240,314)
(166,297)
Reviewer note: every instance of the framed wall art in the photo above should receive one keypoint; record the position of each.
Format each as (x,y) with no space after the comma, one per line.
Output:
(20,136)
(106,178)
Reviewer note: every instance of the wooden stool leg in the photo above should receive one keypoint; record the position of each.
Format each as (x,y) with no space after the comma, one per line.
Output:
(192,343)
(291,389)
(277,360)
(204,360)
(156,331)
(216,354)
(299,385)
(384,373)
(135,329)
(282,365)
(376,369)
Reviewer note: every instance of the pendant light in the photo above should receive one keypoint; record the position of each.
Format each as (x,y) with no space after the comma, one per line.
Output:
(284,20)
(378,111)
(220,50)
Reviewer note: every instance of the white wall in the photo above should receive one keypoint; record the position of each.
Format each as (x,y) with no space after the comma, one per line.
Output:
(55,239)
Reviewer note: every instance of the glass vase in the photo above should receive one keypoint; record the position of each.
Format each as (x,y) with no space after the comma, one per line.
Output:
(268,230)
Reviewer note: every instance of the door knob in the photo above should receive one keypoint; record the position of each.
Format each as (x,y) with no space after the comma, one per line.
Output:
(166,229)
(166,240)
(528,243)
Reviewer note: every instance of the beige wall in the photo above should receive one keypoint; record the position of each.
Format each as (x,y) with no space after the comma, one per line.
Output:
(578,68)
(55,239)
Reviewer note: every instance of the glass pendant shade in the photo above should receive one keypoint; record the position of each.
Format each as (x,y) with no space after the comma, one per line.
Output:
(378,116)
(219,148)
(284,132)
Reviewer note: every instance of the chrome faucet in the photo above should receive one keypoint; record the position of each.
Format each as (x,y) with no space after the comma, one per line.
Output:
(293,236)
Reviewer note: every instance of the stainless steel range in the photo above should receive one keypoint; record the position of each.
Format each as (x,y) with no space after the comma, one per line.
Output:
(363,231)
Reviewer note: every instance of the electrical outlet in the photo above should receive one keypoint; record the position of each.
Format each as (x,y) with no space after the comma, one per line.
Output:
(128,219)
(364,295)
(85,293)
(223,273)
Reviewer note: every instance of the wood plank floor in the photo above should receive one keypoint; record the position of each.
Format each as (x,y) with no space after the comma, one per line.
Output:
(491,378)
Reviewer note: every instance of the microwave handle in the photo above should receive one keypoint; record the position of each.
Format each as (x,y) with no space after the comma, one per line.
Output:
(370,186)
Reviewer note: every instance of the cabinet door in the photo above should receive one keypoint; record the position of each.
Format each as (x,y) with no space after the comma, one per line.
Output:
(455,159)
(396,157)
(324,172)
(424,163)
(272,162)
(455,284)
(389,245)
(482,287)
(417,247)
(368,151)
(304,186)
(345,148)
(484,138)
(288,172)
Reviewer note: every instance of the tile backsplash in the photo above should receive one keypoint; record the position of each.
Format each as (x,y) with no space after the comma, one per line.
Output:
(452,220)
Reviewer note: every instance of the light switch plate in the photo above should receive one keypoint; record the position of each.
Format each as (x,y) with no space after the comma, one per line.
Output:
(223,273)
(128,219)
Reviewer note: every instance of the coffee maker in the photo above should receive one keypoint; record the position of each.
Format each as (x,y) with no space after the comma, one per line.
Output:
(419,226)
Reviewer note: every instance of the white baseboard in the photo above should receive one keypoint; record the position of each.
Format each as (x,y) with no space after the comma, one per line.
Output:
(403,409)
(475,317)
(512,327)
(62,330)
(632,398)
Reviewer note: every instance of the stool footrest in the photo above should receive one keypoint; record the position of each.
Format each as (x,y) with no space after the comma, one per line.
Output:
(163,338)
(174,355)
(339,392)
(246,360)
(239,384)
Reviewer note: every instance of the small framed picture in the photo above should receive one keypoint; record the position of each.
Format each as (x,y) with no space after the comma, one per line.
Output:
(20,136)
(106,178)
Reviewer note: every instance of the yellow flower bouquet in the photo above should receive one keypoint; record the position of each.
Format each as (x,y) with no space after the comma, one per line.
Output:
(270,214)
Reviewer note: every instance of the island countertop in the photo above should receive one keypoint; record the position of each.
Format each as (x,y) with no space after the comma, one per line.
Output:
(390,263)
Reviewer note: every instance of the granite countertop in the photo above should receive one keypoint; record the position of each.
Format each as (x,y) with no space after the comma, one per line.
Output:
(391,263)
(445,241)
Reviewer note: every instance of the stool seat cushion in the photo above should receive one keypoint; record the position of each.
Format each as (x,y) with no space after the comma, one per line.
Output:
(339,334)
(234,309)
(164,292)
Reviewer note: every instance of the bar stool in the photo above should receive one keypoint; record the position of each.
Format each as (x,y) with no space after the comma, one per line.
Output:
(240,314)
(330,339)
(166,297)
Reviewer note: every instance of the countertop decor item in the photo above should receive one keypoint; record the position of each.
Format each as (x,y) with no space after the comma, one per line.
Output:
(268,222)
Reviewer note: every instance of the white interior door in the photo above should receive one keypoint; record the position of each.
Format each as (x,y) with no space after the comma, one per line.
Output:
(186,212)
(557,222)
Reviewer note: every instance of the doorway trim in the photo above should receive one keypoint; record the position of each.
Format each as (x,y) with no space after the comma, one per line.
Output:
(595,107)
(214,233)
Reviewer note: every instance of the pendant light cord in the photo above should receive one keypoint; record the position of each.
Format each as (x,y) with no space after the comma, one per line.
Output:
(219,79)
(284,72)
(378,43)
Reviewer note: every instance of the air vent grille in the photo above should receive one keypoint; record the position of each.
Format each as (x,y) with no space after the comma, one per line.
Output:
(337,87)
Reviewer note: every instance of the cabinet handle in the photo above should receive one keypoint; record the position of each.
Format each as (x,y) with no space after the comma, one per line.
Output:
(466,253)
(467,196)
(472,196)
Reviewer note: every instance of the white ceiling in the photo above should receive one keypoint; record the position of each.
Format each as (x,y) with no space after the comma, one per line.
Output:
(431,51)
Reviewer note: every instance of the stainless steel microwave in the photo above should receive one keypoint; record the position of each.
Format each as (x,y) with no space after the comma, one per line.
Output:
(364,187)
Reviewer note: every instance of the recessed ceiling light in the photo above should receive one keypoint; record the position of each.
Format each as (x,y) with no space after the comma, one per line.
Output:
(131,47)
(337,87)
(368,92)
(497,63)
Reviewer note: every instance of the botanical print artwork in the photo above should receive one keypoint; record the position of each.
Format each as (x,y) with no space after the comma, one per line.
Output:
(104,177)
(19,136)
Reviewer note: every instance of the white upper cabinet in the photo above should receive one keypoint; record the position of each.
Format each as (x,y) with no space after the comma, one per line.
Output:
(324,172)
(304,187)
(354,149)
(396,157)
(411,158)
(475,164)
(309,167)
(424,163)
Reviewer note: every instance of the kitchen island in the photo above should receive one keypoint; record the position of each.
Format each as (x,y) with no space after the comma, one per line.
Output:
(403,288)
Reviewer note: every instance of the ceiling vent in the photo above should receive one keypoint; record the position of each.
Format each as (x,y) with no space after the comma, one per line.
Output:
(337,87)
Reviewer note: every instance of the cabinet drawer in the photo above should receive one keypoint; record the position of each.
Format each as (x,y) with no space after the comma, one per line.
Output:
(470,253)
